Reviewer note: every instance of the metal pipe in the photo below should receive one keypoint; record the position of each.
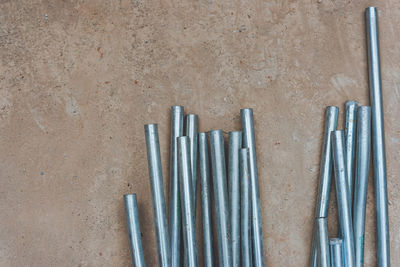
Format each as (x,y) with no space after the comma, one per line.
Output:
(249,141)
(157,194)
(323,242)
(245,207)
(361,180)
(378,136)
(235,143)
(174,200)
(336,251)
(221,197)
(192,124)
(208,250)
(325,175)
(186,194)
(132,222)
(350,142)
(342,194)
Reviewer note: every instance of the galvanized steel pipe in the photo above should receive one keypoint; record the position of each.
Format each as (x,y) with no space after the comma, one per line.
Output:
(336,251)
(192,124)
(245,210)
(323,242)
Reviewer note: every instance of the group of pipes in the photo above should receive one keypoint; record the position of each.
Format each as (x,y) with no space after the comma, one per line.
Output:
(236,195)
(348,153)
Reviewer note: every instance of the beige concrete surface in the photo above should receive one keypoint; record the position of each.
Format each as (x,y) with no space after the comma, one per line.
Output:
(79,79)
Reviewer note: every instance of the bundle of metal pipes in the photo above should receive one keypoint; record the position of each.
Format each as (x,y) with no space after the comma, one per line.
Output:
(236,195)
(348,153)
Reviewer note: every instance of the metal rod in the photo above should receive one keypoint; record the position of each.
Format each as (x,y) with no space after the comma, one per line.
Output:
(174,200)
(342,194)
(336,251)
(157,194)
(378,136)
(208,250)
(249,141)
(325,175)
(132,222)
(245,207)
(186,193)
(323,242)
(235,143)
(361,180)
(221,197)
(350,142)
(192,132)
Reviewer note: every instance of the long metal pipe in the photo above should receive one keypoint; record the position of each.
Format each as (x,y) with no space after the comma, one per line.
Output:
(323,242)
(235,143)
(336,251)
(132,222)
(174,200)
(361,180)
(192,124)
(325,174)
(221,197)
(245,207)
(208,250)
(186,194)
(157,194)
(249,141)
(342,194)
(378,136)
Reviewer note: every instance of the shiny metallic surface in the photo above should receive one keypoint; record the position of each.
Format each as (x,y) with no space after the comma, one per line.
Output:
(191,129)
(361,180)
(336,251)
(245,207)
(205,185)
(221,198)
(135,238)
(174,200)
(378,136)
(256,219)
(157,194)
(342,195)
(186,194)
(350,143)
(322,242)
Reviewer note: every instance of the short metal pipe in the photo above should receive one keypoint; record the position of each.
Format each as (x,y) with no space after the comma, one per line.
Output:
(249,141)
(157,194)
(192,124)
(208,250)
(245,207)
(342,195)
(323,242)
(221,197)
(186,194)
(336,251)
(361,180)
(132,222)
(378,136)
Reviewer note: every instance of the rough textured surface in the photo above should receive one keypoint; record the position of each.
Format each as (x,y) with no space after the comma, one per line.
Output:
(79,79)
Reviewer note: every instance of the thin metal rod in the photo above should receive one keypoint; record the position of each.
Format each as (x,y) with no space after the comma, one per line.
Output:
(245,206)
(132,222)
(186,194)
(325,176)
(235,143)
(361,180)
(221,197)
(323,242)
(378,136)
(336,250)
(342,194)
(249,141)
(208,250)
(174,200)
(192,123)
(157,194)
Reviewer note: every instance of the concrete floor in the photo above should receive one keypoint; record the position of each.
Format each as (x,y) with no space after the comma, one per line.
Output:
(79,79)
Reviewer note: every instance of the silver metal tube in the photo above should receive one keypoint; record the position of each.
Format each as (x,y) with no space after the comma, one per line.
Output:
(132,222)
(174,200)
(157,194)
(208,250)
(378,136)
(249,141)
(235,143)
(245,207)
(323,242)
(325,174)
(186,194)
(361,180)
(336,251)
(192,124)
(342,194)
(221,197)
